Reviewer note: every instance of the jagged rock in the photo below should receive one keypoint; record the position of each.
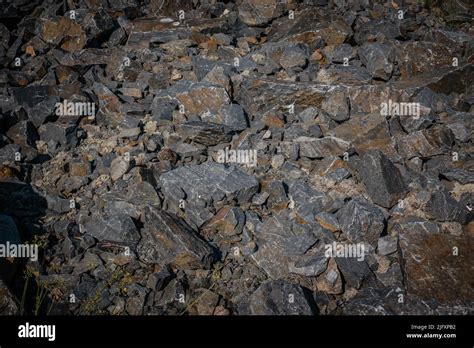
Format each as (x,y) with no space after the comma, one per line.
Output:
(119,228)
(253,12)
(277,297)
(321,147)
(166,239)
(204,132)
(361,221)
(378,59)
(443,207)
(387,245)
(382,179)
(202,186)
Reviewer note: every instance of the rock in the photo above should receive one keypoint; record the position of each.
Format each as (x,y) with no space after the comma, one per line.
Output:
(337,106)
(277,297)
(55,31)
(387,245)
(7,301)
(378,59)
(119,228)
(321,147)
(166,239)
(432,259)
(426,143)
(9,230)
(207,183)
(443,207)
(119,167)
(382,180)
(254,13)
(294,57)
(204,133)
(361,221)
(355,273)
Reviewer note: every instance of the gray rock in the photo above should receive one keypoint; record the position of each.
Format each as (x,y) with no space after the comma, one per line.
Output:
(355,273)
(277,297)
(382,179)
(201,186)
(361,221)
(204,133)
(337,106)
(321,147)
(443,207)
(387,245)
(167,239)
(119,228)
(378,59)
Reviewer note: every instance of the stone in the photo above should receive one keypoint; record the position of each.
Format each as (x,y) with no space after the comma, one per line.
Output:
(387,245)
(378,59)
(206,183)
(361,221)
(277,297)
(321,147)
(119,228)
(254,13)
(119,167)
(431,262)
(168,240)
(8,305)
(382,179)
(443,207)
(337,106)
(204,133)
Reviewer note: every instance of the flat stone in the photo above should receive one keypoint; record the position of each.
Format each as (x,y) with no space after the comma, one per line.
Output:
(167,239)
(321,147)
(387,245)
(119,228)
(431,262)
(206,183)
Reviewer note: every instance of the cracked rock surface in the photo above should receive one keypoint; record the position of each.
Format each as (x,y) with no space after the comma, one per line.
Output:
(249,157)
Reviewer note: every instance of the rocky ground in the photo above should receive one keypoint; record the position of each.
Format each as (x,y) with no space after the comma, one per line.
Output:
(230,143)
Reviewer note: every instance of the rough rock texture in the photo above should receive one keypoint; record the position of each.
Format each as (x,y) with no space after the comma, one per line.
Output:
(237,157)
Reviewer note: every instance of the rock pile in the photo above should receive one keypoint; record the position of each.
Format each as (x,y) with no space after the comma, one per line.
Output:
(248,157)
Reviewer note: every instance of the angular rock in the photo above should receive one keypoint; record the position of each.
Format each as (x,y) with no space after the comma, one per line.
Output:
(382,180)
(361,221)
(277,297)
(166,239)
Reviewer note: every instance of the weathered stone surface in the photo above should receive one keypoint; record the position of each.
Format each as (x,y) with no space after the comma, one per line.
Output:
(253,12)
(382,180)
(433,260)
(321,147)
(361,221)
(205,185)
(279,298)
(119,228)
(378,59)
(8,305)
(168,240)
